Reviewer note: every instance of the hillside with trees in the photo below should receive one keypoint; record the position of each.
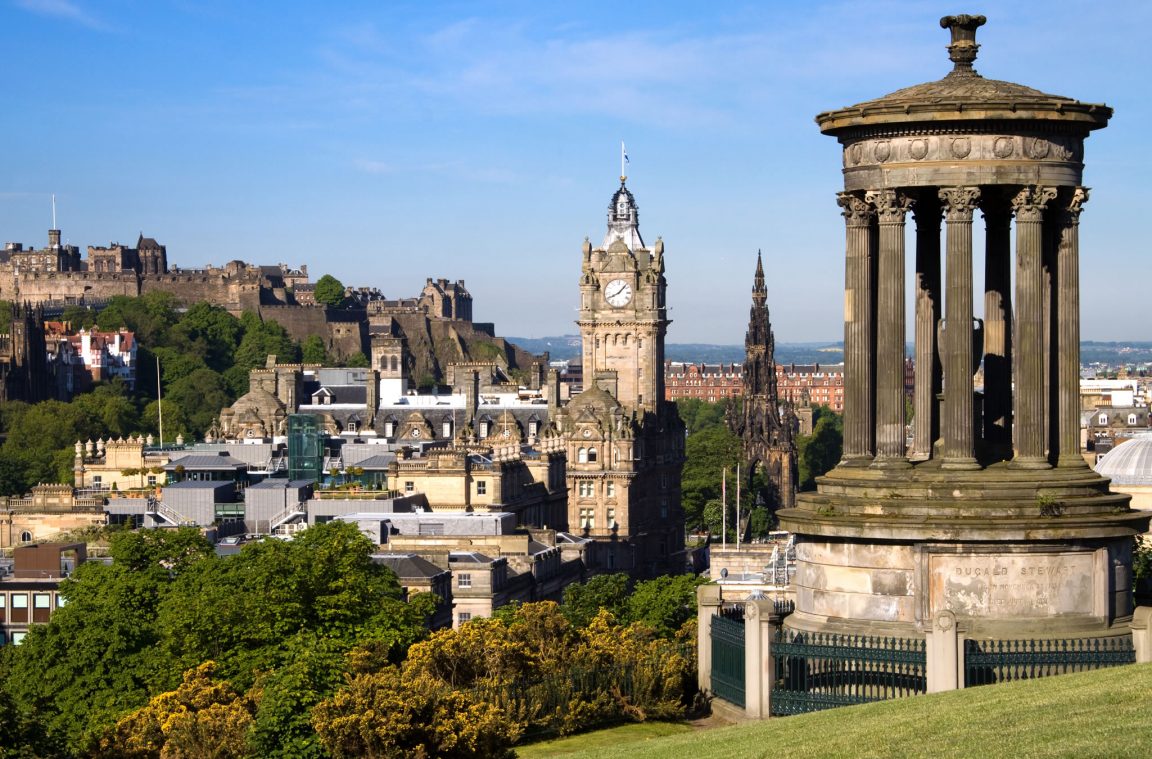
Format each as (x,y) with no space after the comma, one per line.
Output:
(307,649)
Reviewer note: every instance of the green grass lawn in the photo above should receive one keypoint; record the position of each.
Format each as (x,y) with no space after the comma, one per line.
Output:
(1093,714)
(634,735)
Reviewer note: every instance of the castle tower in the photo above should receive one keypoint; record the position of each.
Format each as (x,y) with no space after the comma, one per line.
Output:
(389,356)
(767,439)
(991,514)
(625,443)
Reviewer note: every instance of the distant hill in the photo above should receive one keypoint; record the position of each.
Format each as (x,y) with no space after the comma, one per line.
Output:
(1131,354)
(567,347)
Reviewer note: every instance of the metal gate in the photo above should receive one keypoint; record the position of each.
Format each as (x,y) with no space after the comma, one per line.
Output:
(728,658)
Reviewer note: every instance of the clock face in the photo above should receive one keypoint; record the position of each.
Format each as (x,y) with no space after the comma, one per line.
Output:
(618,293)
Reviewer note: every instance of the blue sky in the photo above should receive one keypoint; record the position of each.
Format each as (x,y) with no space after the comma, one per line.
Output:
(386,142)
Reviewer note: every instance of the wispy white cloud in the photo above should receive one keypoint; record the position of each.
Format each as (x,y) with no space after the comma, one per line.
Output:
(65,10)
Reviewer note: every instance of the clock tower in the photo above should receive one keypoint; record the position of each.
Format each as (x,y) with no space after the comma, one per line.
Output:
(625,442)
(623,315)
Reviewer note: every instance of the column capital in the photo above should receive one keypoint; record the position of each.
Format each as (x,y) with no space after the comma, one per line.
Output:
(857,213)
(891,205)
(1073,204)
(959,202)
(1029,203)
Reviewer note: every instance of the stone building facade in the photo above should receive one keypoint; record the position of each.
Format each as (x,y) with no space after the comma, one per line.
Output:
(625,442)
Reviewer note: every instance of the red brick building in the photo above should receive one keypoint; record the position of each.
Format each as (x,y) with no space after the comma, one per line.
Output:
(708,382)
(715,382)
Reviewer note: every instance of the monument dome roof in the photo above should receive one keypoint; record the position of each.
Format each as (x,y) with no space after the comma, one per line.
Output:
(964,95)
(1129,463)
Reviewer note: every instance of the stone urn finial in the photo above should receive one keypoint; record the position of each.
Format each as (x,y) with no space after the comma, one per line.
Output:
(962,51)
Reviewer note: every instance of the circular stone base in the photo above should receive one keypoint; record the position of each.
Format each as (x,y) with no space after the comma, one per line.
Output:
(1012,553)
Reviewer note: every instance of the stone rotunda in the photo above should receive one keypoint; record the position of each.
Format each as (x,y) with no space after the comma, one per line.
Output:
(987,509)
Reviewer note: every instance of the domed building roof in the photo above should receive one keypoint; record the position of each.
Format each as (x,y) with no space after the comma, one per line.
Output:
(963,95)
(1129,463)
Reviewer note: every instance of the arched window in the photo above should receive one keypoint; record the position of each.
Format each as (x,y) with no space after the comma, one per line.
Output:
(1131,420)
(395,364)
(591,455)
(582,456)
(384,362)
(26,537)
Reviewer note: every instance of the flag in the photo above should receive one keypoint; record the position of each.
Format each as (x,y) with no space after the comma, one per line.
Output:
(624,152)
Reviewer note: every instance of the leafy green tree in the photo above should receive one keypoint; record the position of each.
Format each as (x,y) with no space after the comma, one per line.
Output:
(210,332)
(822,450)
(97,657)
(79,317)
(110,408)
(38,447)
(200,396)
(242,612)
(665,603)
(583,601)
(357,360)
(708,453)
(312,351)
(174,421)
(175,365)
(700,415)
(149,316)
(329,291)
(262,339)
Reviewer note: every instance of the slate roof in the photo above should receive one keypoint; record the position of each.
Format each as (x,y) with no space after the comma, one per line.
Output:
(200,462)
(408,565)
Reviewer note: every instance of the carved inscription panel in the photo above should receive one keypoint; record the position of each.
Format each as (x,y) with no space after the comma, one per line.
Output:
(1012,585)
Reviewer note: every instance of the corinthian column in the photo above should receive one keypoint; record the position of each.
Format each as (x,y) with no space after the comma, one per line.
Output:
(958,421)
(891,209)
(1068,331)
(858,353)
(1029,424)
(926,409)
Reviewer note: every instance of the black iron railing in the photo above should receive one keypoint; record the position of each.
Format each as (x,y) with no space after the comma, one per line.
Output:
(995,661)
(817,671)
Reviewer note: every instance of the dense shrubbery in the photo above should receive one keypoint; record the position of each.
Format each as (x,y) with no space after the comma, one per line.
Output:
(305,649)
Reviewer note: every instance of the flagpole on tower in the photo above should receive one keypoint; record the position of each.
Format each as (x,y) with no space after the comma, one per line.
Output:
(623,161)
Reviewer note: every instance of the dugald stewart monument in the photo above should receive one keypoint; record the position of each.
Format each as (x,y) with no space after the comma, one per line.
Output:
(987,517)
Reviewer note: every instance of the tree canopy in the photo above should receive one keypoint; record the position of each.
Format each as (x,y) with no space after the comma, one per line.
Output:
(279,618)
(329,291)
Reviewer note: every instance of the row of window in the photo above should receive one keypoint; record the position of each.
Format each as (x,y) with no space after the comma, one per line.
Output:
(484,429)
(39,601)
(587,518)
(1132,420)
(587,489)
